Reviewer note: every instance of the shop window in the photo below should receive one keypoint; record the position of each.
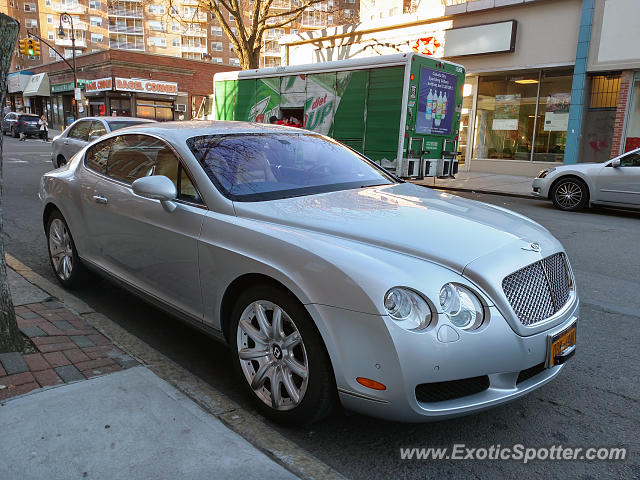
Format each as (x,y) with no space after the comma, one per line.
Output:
(154,109)
(506,123)
(632,139)
(599,119)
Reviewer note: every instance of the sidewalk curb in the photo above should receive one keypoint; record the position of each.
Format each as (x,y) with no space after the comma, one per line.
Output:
(251,427)
(487,192)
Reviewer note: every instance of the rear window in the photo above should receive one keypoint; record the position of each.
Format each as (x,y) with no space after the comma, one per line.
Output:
(117,125)
(29,117)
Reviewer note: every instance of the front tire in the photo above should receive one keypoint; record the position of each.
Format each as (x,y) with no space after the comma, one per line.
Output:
(570,194)
(63,256)
(280,356)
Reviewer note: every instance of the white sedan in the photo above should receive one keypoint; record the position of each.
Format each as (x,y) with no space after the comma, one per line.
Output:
(614,183)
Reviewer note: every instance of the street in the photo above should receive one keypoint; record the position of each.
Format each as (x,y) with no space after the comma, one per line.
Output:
(594,402)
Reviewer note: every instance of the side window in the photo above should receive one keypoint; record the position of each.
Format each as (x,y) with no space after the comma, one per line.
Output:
(631,160)
(97,156)
(167,164)
(132,157)
(97,130)
(80,131)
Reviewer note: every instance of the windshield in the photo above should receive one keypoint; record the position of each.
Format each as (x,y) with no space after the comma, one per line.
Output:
(254,167)
(116,125)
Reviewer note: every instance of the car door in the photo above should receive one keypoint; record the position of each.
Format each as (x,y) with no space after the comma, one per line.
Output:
(76,139)
(136,239)
(621,184)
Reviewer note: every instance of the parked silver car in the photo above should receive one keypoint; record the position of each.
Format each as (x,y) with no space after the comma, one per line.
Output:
(328,277)
(85,130)
(614,183)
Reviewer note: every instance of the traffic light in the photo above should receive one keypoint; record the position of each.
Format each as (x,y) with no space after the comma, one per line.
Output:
(36,48)
(30,49)
(23,46)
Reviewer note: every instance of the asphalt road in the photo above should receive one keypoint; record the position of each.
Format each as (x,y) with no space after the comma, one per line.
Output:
(594,402)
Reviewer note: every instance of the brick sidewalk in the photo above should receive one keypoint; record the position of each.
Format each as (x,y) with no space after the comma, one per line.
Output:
(68,349)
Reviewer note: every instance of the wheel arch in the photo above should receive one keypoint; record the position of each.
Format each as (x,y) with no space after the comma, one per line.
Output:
(239,285)
(48,209)
(569,176)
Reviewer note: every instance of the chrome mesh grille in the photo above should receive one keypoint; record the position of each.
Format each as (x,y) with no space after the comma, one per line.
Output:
(539,290)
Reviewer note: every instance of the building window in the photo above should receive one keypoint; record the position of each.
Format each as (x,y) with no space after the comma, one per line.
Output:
(507,126)
(31,23)
(157,26)
(95,21)
(52,52)
(51,35)
(604,91)
(231,49)
(234,61)
(349,13)
(231,18)
(216,60)
(216,31)
(49,18)
(234,30)
(97,37)
(216,46)
(175,27)
(632,135)
(95,5)
(158,41)
(157,9)
(29,7)
(175,42)
(47,3)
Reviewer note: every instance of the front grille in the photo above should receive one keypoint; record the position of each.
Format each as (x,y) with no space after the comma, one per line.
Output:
(442,391)
(539,290)
(530,372)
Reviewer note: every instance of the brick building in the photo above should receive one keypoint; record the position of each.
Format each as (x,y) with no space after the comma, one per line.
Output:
(127,83)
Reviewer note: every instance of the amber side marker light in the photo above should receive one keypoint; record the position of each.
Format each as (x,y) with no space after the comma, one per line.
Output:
(367,382)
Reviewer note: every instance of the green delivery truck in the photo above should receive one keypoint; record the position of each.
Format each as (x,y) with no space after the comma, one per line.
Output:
(401,111)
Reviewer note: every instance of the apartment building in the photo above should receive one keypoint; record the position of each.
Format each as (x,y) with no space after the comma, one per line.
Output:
(137,25)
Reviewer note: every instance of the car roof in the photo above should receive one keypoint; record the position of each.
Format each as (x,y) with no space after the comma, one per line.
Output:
(181,130)
(120,119)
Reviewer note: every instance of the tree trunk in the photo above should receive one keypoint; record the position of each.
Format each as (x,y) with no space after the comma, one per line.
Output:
(10,336)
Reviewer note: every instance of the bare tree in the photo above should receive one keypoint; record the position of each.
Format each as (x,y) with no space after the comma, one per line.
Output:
(10,336)
(251,19)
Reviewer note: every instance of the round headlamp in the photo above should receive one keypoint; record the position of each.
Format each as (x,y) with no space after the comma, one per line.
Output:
(461,306)
(407,308)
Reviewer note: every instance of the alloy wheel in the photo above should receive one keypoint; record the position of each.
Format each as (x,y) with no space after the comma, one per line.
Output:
(272,355)
(569,195)
(60,249)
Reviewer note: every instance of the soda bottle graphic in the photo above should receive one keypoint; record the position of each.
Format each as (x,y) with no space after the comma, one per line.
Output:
(438,116)
(429,110)
(444,106)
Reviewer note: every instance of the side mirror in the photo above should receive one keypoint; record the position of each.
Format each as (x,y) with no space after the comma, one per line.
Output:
(157,187)
(615,163)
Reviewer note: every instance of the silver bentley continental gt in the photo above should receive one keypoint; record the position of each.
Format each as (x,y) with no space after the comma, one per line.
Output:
(330,279)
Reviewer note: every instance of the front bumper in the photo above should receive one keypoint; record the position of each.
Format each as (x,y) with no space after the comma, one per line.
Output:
(370,346)
(540,187)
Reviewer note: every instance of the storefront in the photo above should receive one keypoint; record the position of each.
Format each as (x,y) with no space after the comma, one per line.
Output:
(519,62)
(62,103)
(36,94)
(16,83)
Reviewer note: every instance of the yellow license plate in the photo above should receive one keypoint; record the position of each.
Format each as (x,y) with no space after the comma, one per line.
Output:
(561,346)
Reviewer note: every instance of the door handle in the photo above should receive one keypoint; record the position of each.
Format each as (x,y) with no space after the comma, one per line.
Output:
(66,142)
(100,199)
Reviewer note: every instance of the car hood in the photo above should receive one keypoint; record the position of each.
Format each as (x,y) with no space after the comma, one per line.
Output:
(406,218)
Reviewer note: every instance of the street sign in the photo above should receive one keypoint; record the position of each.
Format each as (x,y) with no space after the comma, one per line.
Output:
(77,94)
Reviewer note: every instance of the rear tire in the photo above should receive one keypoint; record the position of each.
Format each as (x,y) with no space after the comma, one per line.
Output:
(61,161)
(570,194)
(63,256)
(284,368)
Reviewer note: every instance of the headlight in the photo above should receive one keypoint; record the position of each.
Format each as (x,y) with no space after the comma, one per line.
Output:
(462,306)
(545,172)
(407,308)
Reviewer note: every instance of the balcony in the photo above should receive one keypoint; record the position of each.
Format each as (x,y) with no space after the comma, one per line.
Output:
(126,29)
(125,46)
(195,32)
(68,8)
(281,5)
(124,13)
(193,49)
(272,52)
(194,17)
(66,42)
